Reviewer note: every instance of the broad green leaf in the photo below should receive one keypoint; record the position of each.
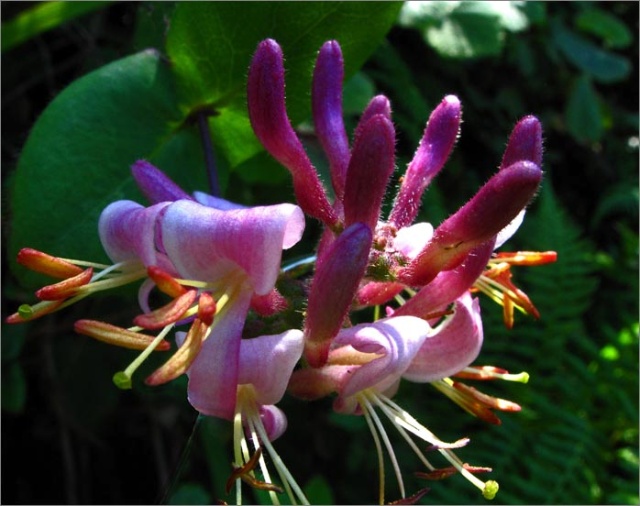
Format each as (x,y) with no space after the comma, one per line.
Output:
(42,17)
(77,157)
(318,490)
(602,65)
(605,25)
(583,112)
(211,45)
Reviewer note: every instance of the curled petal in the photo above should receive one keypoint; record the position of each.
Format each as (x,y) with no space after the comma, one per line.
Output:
(370,167)
(155,184)
(393,342)
(495,205)
(216,202)
(213,375)
(343,265)
(268,115)
(117,336)
(181,359)
(274,421)
(65,288)
(44,263)
(525,143)
(437,143)
(326,99)
(208,244)
(454,345)
(266,362)
(128,231)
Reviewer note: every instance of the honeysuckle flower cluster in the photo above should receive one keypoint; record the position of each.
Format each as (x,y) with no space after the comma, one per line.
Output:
(389,299)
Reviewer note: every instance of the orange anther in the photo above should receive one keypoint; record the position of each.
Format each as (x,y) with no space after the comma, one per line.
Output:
(44,263)
(165,282)
(65,288)
(167,314)
(117,336)
(206,308)
(181,359)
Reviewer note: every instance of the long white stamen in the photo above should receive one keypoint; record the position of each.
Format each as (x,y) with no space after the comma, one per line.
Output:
(376,440)
(387,443)
(251,422)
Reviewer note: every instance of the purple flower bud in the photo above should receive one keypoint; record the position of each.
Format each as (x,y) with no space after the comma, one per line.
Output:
(525,143)
(333,289)
(371,166)
(268,115)
(326,98)
(378,105)
(155,185)
(478,221)
(436,145)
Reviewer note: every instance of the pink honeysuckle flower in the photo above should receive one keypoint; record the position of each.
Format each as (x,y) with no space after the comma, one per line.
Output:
(211,261)
(366,363)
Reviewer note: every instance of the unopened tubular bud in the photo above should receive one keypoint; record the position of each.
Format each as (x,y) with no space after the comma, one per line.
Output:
(268,115)
(478,221)
(525,143)
(333,289)
(437,143)
(155,184)
(371,166)
(326,99)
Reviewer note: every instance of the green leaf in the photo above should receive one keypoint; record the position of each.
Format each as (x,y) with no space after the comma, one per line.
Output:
(467,35)
(464,29)
(42,17)
(583,117)
(602,65)
(211,45)
(77,157)
(605,25)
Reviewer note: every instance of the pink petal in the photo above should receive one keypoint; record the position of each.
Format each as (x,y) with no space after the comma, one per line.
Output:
(128,231)
(266,362)
(213,376)
(411,240)
(452,348)
(207,244)
(216,202)
(396,340)
(274,421)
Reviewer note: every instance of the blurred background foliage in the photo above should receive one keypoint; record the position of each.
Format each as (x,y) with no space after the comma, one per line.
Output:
(70,437)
